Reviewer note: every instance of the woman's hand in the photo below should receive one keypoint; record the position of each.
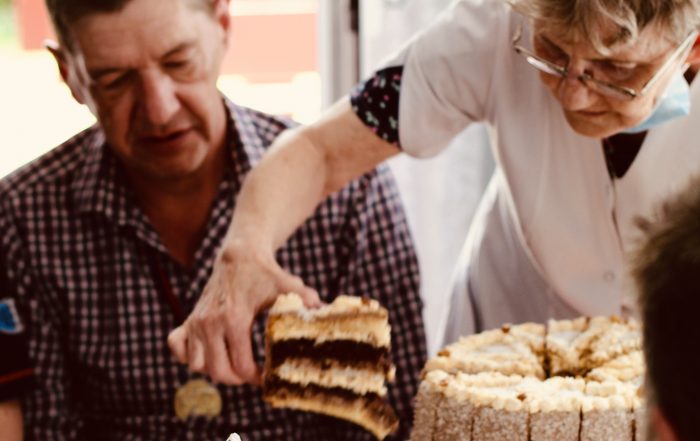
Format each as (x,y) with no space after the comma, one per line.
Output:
(216,337)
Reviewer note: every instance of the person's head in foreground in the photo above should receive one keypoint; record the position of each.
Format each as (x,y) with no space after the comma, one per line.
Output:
(608,62)
(667,272)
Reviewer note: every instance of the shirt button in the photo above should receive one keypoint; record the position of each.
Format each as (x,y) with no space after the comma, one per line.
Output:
(609,276)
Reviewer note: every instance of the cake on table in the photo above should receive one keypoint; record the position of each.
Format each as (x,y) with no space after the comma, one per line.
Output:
(333,360)
(571,380)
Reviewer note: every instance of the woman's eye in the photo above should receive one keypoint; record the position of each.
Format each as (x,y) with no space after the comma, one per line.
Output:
(550,51)
(617,71)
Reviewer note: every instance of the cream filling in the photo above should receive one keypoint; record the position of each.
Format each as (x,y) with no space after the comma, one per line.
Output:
(371,330)
(305,372)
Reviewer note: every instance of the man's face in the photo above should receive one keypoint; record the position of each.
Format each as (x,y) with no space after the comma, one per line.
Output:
(148,73)
(591,113)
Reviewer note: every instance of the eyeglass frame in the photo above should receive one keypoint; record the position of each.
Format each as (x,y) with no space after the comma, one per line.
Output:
(612,90)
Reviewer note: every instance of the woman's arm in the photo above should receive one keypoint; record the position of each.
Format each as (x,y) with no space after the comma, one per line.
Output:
(303,166)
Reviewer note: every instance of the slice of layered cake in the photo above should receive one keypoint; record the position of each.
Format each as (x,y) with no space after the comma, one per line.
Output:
(333,360)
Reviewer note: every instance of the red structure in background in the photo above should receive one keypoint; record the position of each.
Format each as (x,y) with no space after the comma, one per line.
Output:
(263,48)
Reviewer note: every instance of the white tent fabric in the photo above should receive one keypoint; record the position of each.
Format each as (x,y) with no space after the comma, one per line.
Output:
(440,194)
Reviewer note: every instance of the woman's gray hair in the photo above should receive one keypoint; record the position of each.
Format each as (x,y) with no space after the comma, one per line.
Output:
(588,18)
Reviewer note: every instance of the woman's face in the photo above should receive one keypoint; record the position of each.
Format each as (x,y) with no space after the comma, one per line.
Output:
(592,113)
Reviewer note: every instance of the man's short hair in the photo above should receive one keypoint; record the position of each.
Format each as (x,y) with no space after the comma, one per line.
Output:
(63,13)
(667,273)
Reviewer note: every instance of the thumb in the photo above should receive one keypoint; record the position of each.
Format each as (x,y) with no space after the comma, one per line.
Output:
(289,283)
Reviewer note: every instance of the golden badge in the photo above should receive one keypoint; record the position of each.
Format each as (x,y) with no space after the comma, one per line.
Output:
(197,398)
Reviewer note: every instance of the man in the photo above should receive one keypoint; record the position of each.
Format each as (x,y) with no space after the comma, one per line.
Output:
(667,270)
(111,237)
(560,85)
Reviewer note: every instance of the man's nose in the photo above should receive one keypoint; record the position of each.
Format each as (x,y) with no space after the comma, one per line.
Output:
(158,102)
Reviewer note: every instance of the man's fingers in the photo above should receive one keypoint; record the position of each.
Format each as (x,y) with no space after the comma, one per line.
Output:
(241,352)
(177,341)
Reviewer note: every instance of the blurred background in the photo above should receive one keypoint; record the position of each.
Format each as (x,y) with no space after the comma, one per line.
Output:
(291,57)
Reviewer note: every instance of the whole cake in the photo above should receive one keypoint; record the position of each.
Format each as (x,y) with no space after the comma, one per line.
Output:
(570,380)
(332,360)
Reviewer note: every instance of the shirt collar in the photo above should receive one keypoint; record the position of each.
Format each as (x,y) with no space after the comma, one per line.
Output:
(100,187)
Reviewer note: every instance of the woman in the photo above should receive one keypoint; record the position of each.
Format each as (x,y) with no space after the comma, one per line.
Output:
(558,83)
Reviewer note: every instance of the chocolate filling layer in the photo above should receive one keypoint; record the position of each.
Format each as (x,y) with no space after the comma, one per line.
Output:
(347,352)
(375,405)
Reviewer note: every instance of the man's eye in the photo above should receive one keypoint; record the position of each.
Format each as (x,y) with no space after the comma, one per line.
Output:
(113,82)
(178,64)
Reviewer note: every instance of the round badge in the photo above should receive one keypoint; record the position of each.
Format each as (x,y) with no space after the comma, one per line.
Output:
(197,398)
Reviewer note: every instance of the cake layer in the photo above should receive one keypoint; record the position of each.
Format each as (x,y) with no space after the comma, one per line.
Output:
(368,411)
(346,318)
(348,352)
(362,378)
(366,328)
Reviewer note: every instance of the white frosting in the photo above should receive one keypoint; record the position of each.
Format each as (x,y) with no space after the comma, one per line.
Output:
(342,304)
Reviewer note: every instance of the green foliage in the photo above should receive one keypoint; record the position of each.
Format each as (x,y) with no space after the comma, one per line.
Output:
(8,28)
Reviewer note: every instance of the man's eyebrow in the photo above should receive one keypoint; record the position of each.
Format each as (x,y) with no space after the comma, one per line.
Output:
(179,48)
(100,72)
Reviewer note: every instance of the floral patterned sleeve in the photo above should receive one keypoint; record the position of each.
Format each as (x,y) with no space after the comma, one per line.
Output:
(376,103)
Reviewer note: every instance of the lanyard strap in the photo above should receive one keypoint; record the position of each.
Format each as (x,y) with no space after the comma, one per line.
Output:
(165,289)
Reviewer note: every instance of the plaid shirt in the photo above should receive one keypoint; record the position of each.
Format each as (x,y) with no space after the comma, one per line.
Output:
(81,256)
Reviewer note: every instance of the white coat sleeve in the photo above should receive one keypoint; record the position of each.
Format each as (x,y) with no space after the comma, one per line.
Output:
(448,74)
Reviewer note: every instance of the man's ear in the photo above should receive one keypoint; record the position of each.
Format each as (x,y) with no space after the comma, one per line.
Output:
(223,17)
(64,68)
(662,428)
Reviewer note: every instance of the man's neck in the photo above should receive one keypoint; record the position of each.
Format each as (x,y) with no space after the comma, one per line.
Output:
(179,209)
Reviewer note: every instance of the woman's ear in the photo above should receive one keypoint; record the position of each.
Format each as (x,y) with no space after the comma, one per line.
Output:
(694,55)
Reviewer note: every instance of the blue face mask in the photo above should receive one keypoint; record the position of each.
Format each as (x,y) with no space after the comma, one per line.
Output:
(674,103)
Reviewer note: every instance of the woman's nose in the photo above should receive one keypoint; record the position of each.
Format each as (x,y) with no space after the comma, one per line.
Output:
(573,93)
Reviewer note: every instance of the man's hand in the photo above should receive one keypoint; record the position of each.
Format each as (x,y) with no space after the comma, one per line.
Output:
(215,339)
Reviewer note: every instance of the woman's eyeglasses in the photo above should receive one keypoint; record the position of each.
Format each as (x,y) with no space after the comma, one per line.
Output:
(612,90)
